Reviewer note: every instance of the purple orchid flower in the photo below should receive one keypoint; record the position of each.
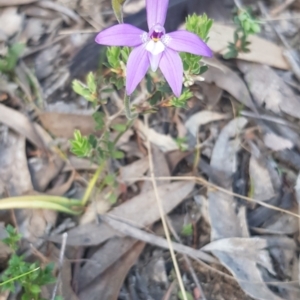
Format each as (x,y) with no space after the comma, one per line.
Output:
(155,48)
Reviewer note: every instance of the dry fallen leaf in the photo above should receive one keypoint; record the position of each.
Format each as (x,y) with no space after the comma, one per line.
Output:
(102,259)
(65,290)
(34,223)
(276,142)
(99,205)
(253,249)
(91,270)
(14,171)
(224,160)
(160,168)
(260,179)
(15,2)
(269,89)
(64,125)
(261,50)
(282,224)
(79,164)
(234,224)
(108,285)
(141,210)
(20,124)
(164,142)
(12,20)
(229,81)
(201,118)
(43,170)
(135,169)
(15,175)
(61,188)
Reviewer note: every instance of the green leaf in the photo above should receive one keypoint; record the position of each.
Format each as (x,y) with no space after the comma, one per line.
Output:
(119,83)
(109,179)
(187,230)
(9,62)
(108,90)
(112,198)
(26,297)
(182,143)
(149,84)
(232,53)
(246,25)
(119,127)
(199,25)
(155,98)
(255,28)
(113,57)
(188,296)
(80,146)
(182,100)
(91,83)
(13,237)
(93,141)
(89,91)
(117,154)
(35,289)
(125,51)
(99,118)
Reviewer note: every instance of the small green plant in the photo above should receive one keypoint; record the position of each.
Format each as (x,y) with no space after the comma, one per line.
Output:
(181,101)
(101,147)
(187,230)
(29,276)
(182,143)
(200,25)
(247,25)
(88,90)
(80,145)
(117,58)
(9,61)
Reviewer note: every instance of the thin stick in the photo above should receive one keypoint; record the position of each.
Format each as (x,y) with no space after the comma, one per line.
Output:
(289,52)
(280,8)
(297,190)
(187,260)
(162,216)
(214,186)
(61,262)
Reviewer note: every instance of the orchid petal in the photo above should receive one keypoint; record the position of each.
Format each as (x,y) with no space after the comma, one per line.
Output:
(121,35)
(155,47)
(185,41)
(156,12)
(172,68)
(137,67)
(154,60)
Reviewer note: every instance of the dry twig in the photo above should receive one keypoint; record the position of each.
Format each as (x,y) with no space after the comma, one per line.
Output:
(289,53)
(187,260)
(162,216)
(61,262)
(214,186)
(280,8)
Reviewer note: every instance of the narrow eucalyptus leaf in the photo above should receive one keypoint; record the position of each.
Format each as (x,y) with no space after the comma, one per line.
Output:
(117,7)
